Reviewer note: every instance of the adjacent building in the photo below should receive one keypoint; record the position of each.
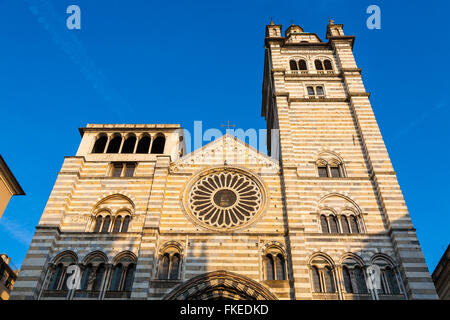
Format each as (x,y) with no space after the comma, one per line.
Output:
(142,219)
(8,186)
(441,276)
(8,276)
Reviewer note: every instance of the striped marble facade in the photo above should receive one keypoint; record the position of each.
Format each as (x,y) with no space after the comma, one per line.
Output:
(338,126)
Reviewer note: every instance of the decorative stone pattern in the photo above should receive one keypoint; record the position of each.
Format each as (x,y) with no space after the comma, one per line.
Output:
(221,285)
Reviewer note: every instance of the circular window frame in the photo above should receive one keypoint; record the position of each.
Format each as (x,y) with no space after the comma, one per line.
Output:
(217,170)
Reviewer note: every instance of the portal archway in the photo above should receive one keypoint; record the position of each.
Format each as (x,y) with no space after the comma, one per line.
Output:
(220,285)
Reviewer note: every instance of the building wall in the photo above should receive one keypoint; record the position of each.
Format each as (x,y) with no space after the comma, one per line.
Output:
(8,185)
(5,196)
(441,276)
(7,277)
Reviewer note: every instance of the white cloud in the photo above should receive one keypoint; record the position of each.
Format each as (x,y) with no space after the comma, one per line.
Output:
(16,230)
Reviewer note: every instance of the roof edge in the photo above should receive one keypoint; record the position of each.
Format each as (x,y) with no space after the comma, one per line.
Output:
(10,179)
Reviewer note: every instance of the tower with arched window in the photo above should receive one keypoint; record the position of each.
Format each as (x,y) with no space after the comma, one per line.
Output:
(319,217)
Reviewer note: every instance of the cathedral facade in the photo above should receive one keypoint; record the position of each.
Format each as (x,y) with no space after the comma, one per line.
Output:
(144,220)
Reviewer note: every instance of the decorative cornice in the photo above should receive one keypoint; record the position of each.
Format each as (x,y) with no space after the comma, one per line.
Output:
(313,75)
(401,229)
(128,127)
(359,94)
(358,70)
(333,39)
(334,179)
(318,100)
(48,227)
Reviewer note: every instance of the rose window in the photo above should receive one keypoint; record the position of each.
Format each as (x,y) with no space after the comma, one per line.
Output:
(225,199)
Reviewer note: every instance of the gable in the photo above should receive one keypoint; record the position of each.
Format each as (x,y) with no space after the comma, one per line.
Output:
(227,150)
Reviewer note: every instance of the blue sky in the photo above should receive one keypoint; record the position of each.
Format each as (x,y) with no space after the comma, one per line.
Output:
(146,62)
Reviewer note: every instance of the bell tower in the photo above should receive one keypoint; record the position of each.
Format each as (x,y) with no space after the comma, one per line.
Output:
(322,128)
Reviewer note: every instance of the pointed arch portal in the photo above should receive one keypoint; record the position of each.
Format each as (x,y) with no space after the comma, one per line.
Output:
(220,285)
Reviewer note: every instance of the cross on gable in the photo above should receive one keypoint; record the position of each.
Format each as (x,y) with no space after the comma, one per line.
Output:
(228,125)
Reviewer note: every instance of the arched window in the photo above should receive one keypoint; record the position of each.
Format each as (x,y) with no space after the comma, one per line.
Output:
(280,267)
(383,289)
(129,144)
(100,144)
(174,267)
(122,275)
(318,64)
(324,224)
(316,280)
(329,280)
(330,165)
(322,275)
(114,144)
(170,261)
(98,223)
(327,64)
(112,214)
(117,224)
(354,224)
(117,276)
(341,214)
(335,172)
(270,267)
(125,224)
(293,65)
(121,223)
(274,263)
(391,280)
(93,273)
(333,224)
(360,280)
(99,278)
(56,278)
(347,280)
(302,65)
(345,225)
(158,144)
(164,267)
(106,223)
(311,91)
(58,274)
(129,276)
(66,276)
(85,279)
(353,273)
(323,171)
(143,145)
